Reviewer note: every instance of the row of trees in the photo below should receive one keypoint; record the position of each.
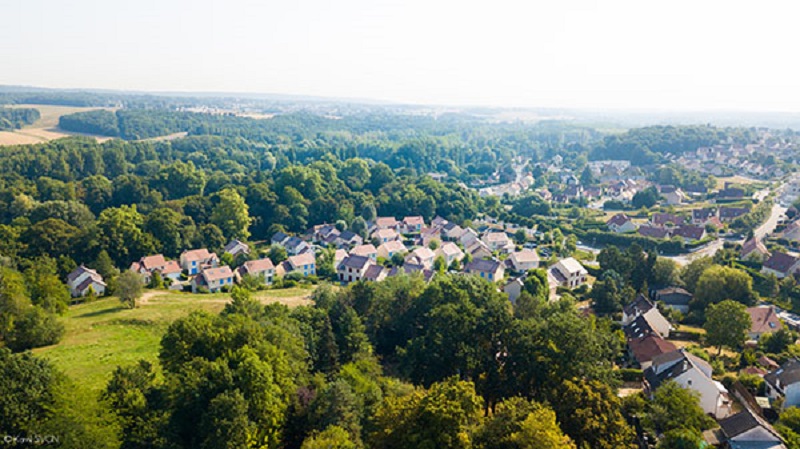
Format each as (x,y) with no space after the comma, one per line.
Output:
(16,118)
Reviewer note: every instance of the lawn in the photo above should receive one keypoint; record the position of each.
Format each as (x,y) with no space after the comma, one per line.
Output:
(103,335)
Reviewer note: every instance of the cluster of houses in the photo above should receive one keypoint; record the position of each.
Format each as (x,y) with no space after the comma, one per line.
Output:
(668,225)
(648,332)
(725,159)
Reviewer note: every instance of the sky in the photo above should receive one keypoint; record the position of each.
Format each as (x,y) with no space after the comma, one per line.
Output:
(620,54)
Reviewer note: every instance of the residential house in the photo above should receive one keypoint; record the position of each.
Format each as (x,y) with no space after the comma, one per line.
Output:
(674,297)
(498,241)
(764,320)
(692,372)
(468,237)
(654,232)
(672,195)
(353,268)
(701,216)
(730,194)
(728,214)
(213,279)
(386,223)
(451,231)
(524,260)
(390,248)
(514,288)
(302,263)
(781,265)
(621,223)
(296,245)
(262,269)
(645,348)
(792,232)
(690,233)
(367,250)
(412,225)
(666,220)
(784,382)
(375,273)
(421,256)
(348,239)
(195,260)
(339,256)
(279,237)
(748,430)
(493,269)
(148,265)
(651,322)
(384,235)
(479,250)
(754,250)
(638,307)
(569,272)
(236,247)
(82,280)
(450,252)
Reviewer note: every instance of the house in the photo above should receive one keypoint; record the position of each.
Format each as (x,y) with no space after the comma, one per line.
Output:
(674,297)
(479,250)
(690,233)
(421,256)
(730,194)
(148,265)
(570,272)
(296,245)
(514,288)
(262,269)
(620,223)
(638,307)
(672,195)
(692,372)
(650,323)
(748,430)
(654,232)
(375,273)
(765,321)
(754,250)
(785,382)
(493,269)
(450,252)
(82,280)
(384,235)
(728,214)
(644,349)
(451,231)
(390,248)
(412,225)
(302,263)
(193,261)
(524,260)
(666,220)
(701,216)
(792,232)
(348,239)
(468,237)
(213,279)
(497,241)
(319,233)
(781,265)
(279,237)
(353,268)
(366,251)
(386,223)
(236,247)
(339,256)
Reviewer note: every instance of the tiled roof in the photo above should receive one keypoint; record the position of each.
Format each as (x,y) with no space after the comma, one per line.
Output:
(780,262)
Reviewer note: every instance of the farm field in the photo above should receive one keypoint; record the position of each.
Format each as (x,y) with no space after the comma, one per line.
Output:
(46,128)
(102,335)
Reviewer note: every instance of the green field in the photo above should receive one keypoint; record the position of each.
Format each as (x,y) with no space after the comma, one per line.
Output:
(103,334)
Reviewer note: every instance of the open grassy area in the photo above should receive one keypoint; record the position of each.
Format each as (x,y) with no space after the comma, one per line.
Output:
(46,128)
(103,335)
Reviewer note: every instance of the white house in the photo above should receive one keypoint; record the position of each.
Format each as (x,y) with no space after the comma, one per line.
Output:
(479,250)
(569,272)
(148,265)
(689,371)
(353,268)
(302,263)
(492,270)
(384,235)
(386,223)
(421,256)
(236,247)
(82,280)
(389,249)
(193,261)
(785,382)
(498,241)
(514,288)
(412,225)
(524,260)
(261,268)
(748,430)
(621,223)
(214,279)
(367,250)
(754,250)
(450,252)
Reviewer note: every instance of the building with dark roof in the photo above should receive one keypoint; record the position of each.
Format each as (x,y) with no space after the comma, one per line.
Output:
(781,265)
(785,382)
(748,430)
(490,269)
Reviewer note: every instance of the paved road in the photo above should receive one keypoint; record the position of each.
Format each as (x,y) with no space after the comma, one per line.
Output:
(769,226)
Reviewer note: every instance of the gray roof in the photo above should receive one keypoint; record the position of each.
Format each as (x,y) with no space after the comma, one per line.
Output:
(355,262)
(744,421)
(787,374)
(639,306)
(484,265)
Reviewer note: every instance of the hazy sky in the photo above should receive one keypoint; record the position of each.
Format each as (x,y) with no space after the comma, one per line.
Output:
(684,54)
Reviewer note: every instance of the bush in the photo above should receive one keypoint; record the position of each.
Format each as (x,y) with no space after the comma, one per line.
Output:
(631,374)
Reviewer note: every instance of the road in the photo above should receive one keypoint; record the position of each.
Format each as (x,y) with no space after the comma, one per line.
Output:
(769,226)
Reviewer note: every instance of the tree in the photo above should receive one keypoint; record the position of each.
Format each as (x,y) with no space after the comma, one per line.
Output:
(681,439)
(727,324)
(540,431)
(645,198)
(665,273)
(333,437)
(674,407)
(520,236)
(277,254)
(231,215)
(129,288)
(225,425)
(607,297)
(718,283)
(691,273)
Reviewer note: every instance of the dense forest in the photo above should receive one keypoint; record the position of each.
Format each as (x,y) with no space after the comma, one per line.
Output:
(16,118)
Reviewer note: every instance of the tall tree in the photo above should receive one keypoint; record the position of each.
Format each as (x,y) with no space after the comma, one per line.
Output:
(727,324)
(231,215)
